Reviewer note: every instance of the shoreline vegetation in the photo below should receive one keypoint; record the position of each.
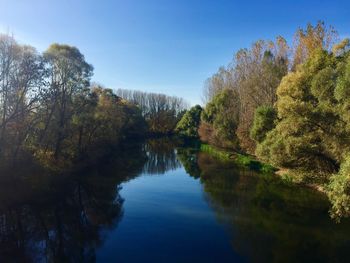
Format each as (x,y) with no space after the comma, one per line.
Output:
(286,105)
(240,159)
(252,163)
(51,112)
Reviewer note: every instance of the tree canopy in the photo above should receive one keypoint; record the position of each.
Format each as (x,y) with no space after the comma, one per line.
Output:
(189,123)
(49,108)
(220,119)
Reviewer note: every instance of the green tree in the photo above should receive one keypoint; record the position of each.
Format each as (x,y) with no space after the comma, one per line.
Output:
(189,123)
(311,133)
(220,119)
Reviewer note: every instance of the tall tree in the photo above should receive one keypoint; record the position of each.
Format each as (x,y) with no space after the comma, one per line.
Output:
(21,86)
(254,75)
(310,39)
(69,75)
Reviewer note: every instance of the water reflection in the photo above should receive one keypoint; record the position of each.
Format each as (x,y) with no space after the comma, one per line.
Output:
(270,221)
(56,216)
(52,216)
(161,156)
(48,217)
(189,160)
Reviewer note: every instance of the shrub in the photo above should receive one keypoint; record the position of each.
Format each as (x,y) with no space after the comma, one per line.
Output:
(338,191)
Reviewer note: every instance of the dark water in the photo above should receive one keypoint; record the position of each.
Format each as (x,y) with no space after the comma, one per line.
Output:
(160,203)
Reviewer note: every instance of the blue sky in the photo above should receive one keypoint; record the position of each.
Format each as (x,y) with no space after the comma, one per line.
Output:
(162,45)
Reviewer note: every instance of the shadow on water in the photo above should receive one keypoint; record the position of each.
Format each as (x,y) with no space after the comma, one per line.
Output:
(49,216)
(52,216)
(269,220)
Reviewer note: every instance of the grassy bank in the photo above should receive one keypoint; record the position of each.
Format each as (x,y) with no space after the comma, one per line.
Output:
(240,159)
(248,161)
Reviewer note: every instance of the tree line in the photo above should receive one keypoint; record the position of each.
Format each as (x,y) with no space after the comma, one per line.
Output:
(288,105)
(161,112)
(251,79)
(50,108)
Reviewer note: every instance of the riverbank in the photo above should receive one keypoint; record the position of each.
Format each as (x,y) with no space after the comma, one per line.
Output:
(247,161)
(251,162)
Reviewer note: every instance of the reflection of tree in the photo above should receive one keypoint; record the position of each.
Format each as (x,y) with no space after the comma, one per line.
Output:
(60,218)
(161,156)
(188,159)
(271,221)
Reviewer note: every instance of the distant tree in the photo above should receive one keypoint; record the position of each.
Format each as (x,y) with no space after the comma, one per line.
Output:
(160,111)
(189,123)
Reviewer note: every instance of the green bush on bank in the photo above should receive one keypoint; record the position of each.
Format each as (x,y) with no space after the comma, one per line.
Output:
(338,191)
(217,153)
(240,159)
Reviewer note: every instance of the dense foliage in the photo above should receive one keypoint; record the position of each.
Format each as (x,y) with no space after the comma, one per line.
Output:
(255,73)
(289,108)
(313,133)
(253,77)
(339,189)
(264,121)
(49,108)
(220,120)
(295,106)
(189,123)
(312,128)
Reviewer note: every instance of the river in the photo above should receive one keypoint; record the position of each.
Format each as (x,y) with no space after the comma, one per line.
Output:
(159,202)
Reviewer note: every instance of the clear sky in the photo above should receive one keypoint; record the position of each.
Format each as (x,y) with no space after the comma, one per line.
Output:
(162,45)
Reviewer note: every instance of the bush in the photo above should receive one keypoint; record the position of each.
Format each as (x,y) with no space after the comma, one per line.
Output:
(273,149)
(338,191)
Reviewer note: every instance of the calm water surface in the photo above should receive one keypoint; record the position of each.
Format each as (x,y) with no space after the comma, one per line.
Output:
(162,203)
(167,219)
